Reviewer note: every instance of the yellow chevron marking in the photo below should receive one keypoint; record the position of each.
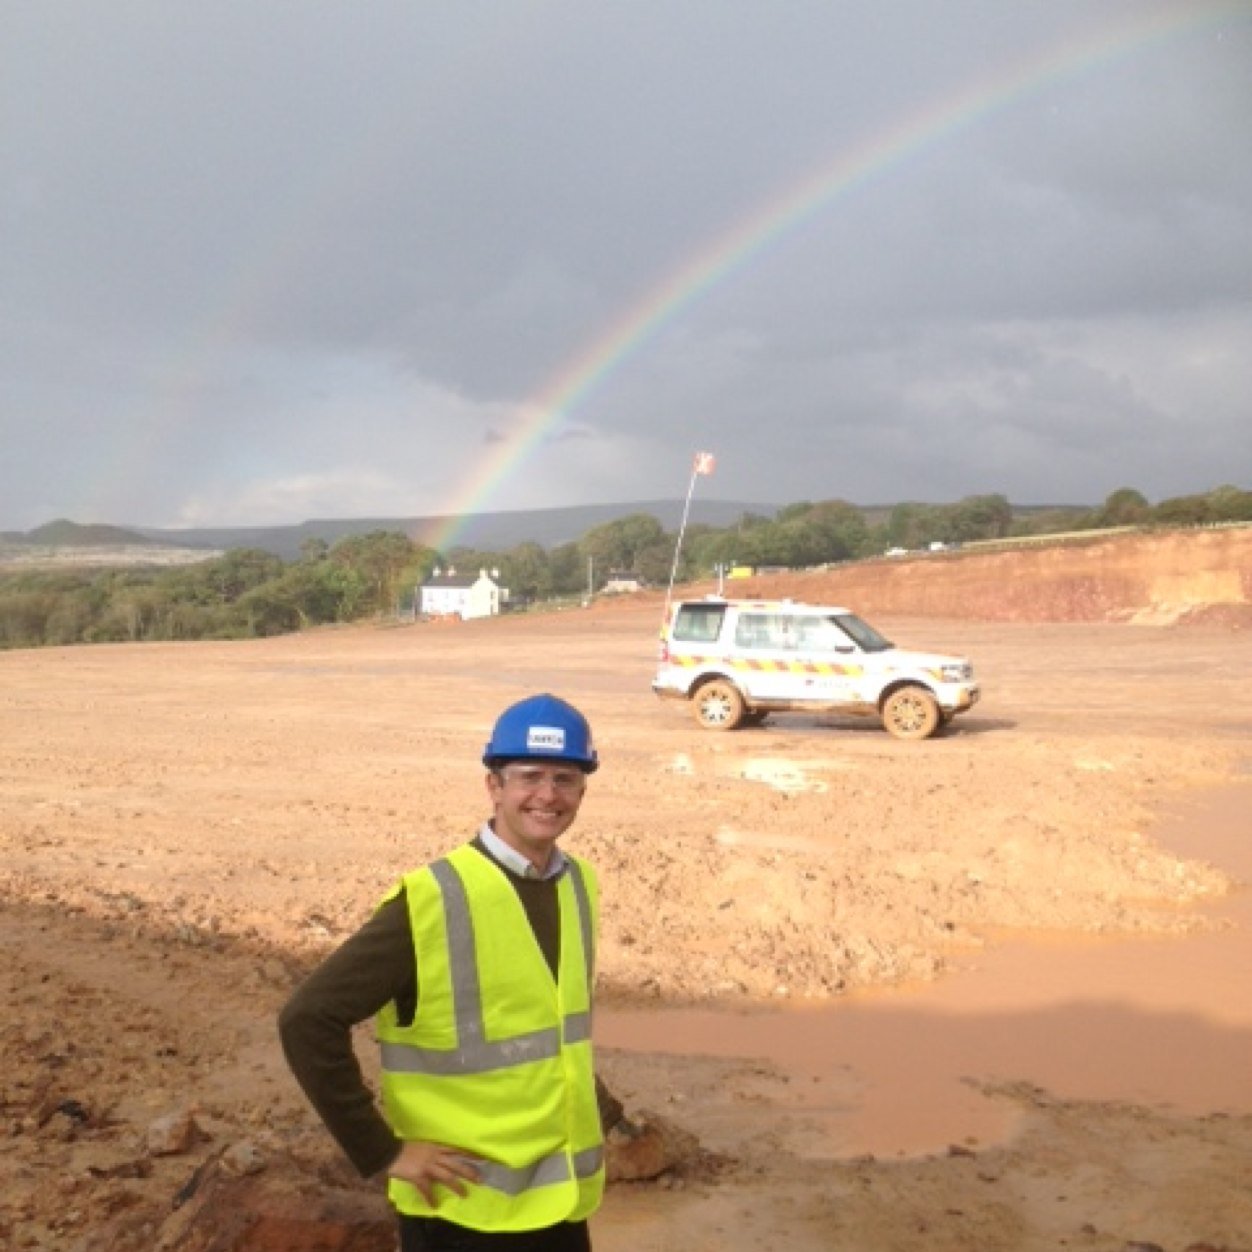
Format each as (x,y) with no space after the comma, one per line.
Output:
(769,667)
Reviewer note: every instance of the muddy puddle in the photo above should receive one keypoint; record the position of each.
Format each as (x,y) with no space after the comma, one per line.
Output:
(1163,1022)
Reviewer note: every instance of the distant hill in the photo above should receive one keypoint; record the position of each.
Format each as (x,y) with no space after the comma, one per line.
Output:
(66,534)
(67,545)
(487,531)
(484,531)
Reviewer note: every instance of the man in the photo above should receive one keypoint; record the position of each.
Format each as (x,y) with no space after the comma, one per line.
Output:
(478,969)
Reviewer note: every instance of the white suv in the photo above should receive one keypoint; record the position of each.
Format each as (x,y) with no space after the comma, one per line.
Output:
(737,661)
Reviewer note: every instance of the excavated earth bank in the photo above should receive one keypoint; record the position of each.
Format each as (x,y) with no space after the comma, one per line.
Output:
(187,828)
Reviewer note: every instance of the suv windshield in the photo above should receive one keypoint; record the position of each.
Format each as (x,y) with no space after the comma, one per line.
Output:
(862,633)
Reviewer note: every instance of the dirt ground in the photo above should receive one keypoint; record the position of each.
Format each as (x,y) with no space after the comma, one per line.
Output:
(187,828)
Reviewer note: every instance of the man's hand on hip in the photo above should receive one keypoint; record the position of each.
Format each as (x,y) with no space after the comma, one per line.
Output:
(427,1165)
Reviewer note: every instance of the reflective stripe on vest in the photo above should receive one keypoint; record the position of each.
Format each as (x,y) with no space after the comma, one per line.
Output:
(551,1169)
(474,1053)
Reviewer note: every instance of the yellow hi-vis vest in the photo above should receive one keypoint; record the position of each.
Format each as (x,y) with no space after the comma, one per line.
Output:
(498,1059)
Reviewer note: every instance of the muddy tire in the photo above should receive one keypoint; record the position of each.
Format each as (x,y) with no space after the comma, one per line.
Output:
(718,706)
(911,713)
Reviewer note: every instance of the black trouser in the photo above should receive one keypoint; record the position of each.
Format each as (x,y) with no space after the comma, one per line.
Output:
(429,1234)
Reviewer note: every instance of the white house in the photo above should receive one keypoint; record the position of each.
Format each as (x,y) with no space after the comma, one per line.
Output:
(622,581)
(449,594)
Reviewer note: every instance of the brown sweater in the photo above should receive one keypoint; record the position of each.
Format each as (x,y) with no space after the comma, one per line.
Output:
(372,968)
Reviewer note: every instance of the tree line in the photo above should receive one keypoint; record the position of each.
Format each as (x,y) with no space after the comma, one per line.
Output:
(247,593)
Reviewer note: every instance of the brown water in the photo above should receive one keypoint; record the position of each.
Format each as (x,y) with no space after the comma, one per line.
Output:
(1162,1022)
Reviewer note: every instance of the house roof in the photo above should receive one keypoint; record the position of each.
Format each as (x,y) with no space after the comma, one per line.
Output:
(449,580)
(457,581)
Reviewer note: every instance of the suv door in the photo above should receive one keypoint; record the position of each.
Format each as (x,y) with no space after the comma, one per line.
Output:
(765,646)
(835,661)
(796,657)
(688,645)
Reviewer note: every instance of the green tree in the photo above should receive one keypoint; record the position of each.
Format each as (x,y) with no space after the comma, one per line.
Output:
(913,525)
(24,618)
(223,579)
(793,512)
(1230,504)
(385,561)
(526,571)
(269,609)
(977,517)
(1183,511)
(751,521)
(616,545)
(322,592)
(705,548)
(841,530)
(239,570)
(314,549)
(71,618)
(568,569)
(1124,507)
(654,562)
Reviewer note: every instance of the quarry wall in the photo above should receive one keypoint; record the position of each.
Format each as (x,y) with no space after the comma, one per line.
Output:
(1155,578)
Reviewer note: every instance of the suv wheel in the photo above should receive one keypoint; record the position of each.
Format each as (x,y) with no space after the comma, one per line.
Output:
(718,706)
(911,713)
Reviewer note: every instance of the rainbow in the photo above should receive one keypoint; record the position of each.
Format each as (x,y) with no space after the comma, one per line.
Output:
(740,244)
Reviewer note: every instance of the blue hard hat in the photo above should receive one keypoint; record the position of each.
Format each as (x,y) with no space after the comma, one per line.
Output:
(541,728)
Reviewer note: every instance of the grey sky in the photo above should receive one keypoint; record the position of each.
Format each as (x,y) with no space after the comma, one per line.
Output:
(267,261)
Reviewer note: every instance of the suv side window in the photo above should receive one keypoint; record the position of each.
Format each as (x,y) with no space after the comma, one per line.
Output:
(774,631)
(822,634)
(699,623)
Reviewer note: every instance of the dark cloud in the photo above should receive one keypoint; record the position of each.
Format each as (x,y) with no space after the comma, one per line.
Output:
(276,259)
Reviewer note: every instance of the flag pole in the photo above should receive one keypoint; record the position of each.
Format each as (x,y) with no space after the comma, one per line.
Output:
(702,464)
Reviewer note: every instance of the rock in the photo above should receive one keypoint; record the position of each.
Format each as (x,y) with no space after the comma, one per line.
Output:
(646,1148)
(277,1211)
(242,1158)
(172,1134)
(275,972)
(75,1111)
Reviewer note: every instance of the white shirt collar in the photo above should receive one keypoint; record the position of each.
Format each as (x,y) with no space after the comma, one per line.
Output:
(513,860)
